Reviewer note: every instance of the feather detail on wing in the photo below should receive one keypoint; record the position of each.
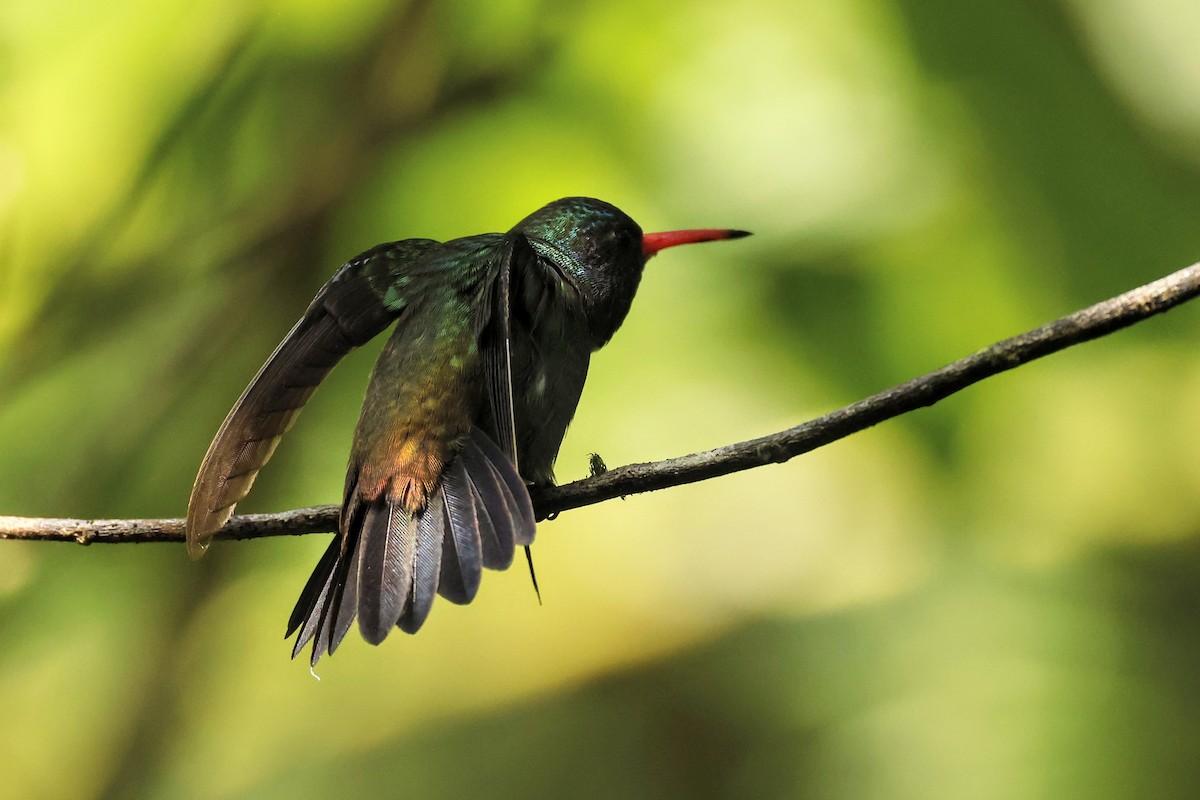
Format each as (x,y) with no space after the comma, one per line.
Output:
(495,329)
(348,311)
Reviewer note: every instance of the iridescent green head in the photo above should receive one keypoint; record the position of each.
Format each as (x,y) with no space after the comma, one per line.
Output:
(601,251)
(598,249)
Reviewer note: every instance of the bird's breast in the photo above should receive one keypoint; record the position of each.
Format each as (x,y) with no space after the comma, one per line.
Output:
(551,349)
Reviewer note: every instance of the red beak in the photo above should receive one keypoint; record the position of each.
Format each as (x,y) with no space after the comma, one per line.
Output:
(653,242)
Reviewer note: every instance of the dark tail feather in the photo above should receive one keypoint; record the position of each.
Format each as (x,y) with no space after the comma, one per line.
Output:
(386,571)
(313,596)
(520,504)
(343,586)
(427,564)
(306,616)
(462,556)
(320,613)
(347,603)
(388,564)
(321,599)
(495,523)
(492,479)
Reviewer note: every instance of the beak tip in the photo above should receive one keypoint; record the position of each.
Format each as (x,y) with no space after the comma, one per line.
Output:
(653,242)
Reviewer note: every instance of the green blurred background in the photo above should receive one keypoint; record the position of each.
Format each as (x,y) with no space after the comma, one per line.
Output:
(998,597)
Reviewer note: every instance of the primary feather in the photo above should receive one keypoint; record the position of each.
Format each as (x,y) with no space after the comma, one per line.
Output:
(349,311)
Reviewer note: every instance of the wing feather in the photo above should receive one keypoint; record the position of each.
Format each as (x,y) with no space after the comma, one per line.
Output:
(356,304)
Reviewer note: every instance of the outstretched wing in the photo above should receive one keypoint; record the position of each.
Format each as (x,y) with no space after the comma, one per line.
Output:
(361,299)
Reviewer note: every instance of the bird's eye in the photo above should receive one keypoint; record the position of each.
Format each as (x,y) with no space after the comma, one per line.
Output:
(621,236)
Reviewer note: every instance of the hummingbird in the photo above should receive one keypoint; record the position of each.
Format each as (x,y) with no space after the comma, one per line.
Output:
(466,407)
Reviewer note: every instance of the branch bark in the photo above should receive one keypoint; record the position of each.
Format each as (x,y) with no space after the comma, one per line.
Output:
(1082,326)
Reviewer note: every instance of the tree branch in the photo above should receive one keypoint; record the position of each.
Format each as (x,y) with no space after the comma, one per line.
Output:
(1090,323)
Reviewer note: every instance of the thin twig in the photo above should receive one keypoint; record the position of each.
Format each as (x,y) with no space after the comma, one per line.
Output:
(1090,323)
